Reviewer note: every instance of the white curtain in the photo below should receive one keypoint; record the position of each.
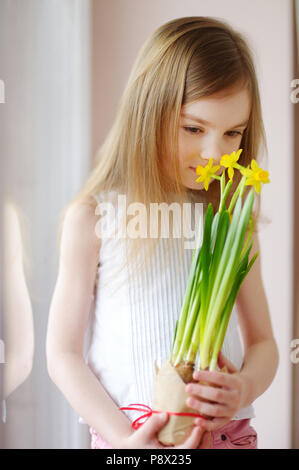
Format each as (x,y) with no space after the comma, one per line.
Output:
(45,65)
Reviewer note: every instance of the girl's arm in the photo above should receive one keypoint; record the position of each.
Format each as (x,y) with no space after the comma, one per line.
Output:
(67,323)
(261,355)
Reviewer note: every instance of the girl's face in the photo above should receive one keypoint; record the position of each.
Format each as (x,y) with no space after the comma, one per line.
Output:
(211,127)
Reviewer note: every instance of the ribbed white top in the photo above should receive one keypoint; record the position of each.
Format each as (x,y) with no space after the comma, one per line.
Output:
(135,316)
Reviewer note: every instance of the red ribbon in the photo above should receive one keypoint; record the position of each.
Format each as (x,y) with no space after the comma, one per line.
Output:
(148,413)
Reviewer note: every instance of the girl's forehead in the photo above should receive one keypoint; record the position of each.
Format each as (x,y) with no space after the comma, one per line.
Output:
(220,108)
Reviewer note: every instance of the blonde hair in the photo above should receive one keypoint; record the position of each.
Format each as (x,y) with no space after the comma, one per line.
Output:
(184,60)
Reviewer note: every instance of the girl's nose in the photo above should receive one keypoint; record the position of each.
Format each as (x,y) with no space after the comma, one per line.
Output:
(211,153)
(211,147)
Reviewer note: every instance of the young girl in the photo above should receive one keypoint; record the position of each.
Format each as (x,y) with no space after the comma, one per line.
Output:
(192,95)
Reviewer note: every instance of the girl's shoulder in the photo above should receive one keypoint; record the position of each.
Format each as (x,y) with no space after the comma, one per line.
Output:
(81,210)
(79,225)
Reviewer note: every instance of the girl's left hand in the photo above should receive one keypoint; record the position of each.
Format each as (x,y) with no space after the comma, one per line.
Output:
(226,400)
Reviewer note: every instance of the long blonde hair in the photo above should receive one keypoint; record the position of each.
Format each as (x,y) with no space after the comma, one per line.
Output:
(184,60)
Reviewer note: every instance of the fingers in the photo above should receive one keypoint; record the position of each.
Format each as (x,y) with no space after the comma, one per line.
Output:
(206,441)
(153,425)
(209,409)
(228,381)
(218,395)
(193,440)
(211,424)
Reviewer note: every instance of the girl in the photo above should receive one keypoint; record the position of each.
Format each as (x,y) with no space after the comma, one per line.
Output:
(192,94)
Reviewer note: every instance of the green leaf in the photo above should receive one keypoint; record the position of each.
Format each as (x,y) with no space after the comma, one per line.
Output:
(205,256)
(226,271)
(223,227)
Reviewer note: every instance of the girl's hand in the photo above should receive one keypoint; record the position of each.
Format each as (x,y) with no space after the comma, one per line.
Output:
(226,401)
(146,436)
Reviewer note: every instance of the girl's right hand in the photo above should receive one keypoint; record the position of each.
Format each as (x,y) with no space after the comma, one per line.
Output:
(146,436)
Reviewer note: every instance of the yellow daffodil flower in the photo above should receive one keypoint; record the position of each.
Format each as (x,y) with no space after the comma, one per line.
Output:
(206,172)
(255,176)
(230,162)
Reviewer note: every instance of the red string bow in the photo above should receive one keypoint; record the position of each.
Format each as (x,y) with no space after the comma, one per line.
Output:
(148,413)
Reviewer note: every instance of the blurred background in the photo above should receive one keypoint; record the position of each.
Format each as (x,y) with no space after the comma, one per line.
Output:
(63,67)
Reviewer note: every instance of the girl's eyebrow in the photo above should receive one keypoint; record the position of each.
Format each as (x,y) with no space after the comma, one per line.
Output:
(207,123)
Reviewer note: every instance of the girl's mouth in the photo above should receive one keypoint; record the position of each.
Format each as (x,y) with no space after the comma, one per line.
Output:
(193,168)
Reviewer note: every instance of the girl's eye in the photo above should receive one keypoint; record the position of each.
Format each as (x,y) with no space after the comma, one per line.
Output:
(234,133)
(192,130)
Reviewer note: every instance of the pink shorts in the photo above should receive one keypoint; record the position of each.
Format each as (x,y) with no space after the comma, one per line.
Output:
(237,434)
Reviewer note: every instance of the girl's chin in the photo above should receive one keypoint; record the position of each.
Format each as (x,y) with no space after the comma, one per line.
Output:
(194,185)
(194,188)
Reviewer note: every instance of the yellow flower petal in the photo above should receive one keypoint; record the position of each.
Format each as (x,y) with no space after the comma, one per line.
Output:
(255,176)
(209,165)
(225,160)
(200,170)
(257,187)
(206,173)
(262,176)
(246,172)
(230,173)
(238,154)
(199,179)
(214,169)
(250,181)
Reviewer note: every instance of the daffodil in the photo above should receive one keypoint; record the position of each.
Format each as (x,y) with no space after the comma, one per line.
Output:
(206,173)
(255,176)
(230,162)
(220,263)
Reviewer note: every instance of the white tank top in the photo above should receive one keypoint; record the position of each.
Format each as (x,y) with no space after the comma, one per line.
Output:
(134,321)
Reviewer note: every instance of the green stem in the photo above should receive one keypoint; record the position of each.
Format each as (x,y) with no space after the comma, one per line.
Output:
(195,267)
(240,188)
(222,185)
(188,329)
(216,177)
(249,236)
(243,270)
(224,197)
(219,340)
(195,340)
